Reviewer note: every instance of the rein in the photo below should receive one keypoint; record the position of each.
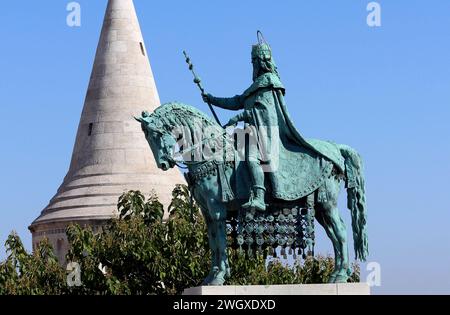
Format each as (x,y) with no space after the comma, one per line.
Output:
(193,148)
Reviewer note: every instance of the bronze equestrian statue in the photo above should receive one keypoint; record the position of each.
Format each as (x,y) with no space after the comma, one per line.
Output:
(271,174)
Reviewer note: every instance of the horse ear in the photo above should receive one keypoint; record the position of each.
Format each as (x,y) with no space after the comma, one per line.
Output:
(139,119)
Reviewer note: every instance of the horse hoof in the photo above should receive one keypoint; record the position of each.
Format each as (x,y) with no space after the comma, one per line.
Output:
(207,281)
(217,282)
(212,274)
(332,279)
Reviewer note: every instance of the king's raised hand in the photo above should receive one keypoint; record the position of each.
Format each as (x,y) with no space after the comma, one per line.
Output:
(207,98)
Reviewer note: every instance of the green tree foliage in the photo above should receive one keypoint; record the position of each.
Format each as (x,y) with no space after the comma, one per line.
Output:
(30,274)
(140,252)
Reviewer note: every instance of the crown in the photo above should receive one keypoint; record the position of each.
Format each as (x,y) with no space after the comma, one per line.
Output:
(261,50)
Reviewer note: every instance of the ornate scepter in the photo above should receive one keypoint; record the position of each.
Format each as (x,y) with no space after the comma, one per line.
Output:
(199,84)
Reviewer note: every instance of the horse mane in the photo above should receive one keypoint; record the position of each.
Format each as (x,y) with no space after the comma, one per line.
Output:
(196,127)
(175,114)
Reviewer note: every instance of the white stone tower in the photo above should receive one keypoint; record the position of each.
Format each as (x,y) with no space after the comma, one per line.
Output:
(111,154)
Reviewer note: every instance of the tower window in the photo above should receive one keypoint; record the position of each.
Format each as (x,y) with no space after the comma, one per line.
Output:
(91,126)
(142,48)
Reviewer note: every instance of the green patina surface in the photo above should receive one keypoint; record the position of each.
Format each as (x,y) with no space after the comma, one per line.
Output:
(294,175)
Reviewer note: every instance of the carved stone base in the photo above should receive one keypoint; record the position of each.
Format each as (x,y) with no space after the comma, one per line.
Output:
(293,289)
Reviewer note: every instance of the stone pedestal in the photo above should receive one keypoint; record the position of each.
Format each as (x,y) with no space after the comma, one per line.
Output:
(293,289)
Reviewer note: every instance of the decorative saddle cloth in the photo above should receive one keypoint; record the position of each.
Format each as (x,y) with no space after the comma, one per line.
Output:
(299,171)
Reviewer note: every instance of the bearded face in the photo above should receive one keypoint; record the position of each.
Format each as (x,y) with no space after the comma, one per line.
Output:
(260,67)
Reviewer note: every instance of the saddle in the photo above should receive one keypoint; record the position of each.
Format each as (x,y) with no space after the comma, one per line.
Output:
(299,172)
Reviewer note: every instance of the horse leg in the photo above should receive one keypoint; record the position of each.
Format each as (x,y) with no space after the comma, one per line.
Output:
(209,195)
(212,246)
(219,222)
(332,218)
(224,266)
(320,217)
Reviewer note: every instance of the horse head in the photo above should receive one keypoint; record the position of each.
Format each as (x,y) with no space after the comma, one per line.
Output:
(179,133)
(161,142)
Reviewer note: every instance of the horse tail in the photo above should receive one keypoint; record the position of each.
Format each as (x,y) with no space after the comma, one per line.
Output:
(356,200)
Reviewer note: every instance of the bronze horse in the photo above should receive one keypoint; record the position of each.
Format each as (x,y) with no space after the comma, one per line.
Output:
(210,178)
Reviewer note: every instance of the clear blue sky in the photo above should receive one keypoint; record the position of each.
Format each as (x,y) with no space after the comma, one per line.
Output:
(385,91)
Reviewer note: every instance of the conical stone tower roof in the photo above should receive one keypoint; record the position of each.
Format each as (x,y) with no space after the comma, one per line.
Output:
(111,154)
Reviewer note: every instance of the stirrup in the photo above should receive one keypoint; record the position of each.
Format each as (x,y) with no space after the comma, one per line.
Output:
(252,204)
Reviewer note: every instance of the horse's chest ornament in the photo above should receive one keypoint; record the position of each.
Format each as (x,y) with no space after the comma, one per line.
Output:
(207,170)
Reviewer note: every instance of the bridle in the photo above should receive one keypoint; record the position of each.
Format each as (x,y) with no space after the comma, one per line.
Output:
(167,154)
(171,159)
